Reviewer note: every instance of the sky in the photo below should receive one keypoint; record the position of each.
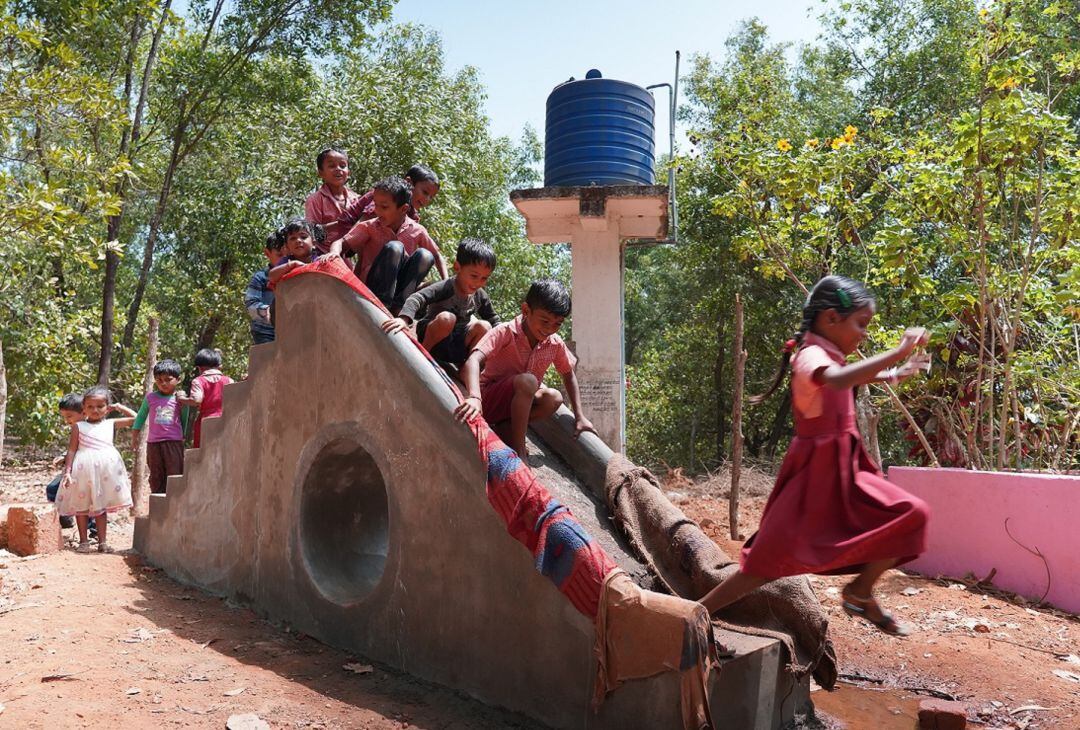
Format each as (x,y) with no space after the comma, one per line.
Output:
(523,49)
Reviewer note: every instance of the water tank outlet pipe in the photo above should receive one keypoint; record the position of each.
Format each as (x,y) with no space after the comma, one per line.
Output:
(673,96)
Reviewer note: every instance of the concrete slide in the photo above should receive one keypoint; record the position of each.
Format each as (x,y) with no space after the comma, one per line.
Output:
(338,495)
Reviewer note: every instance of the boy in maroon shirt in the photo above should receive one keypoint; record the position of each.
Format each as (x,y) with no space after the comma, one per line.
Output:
(333,205)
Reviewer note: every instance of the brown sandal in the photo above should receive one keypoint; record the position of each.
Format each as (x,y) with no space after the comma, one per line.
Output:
(857,607)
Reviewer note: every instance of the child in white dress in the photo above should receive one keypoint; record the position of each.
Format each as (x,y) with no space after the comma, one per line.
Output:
(95,480)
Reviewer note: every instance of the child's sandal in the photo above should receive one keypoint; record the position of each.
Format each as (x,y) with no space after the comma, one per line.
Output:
(856,607)
(84,547)
(103,548)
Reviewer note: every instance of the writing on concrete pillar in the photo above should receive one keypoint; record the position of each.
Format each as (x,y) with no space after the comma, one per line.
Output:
(600,395)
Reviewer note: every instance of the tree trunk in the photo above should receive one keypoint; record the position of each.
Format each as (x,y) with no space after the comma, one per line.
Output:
(718,386)
(210,329)
(3,399)
(151,238)
(140,481)
(736,421)
(128,140)
(108,306)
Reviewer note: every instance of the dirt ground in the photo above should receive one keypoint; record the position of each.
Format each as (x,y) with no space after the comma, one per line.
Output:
(106,641)
(995,652)
(96,641)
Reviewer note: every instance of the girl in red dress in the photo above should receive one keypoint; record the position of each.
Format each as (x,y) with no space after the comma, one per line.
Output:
(832,511)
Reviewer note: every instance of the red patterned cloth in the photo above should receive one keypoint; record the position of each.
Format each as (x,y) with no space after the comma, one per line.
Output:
(561,548)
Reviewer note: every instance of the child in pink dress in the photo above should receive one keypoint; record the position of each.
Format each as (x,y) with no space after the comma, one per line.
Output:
(832,511)
(95,481)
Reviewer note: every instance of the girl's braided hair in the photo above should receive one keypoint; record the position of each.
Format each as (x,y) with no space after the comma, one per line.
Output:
(831,292)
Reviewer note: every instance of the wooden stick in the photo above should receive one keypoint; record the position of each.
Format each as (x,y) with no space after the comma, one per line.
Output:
(736,421)
(3,399)
(140,478)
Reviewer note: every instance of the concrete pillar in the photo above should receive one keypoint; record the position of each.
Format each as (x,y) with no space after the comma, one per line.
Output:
(596,258)
(596,221)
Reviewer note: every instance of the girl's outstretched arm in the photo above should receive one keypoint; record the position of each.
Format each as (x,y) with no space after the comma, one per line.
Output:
(127,420)
(73,446)
(866,371)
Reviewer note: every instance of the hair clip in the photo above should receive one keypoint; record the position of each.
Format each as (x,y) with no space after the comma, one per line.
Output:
(789,345)
(844,297)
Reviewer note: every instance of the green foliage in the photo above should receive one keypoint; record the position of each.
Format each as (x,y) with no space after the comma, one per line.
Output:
(950,188)
(236,111)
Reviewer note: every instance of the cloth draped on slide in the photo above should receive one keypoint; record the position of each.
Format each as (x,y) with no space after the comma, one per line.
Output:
(638,633)
(690,565)
(562,550)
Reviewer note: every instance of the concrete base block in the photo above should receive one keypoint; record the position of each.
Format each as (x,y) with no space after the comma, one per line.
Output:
(33,529)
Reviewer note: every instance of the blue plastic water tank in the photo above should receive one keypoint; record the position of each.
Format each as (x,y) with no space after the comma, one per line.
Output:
(599,132)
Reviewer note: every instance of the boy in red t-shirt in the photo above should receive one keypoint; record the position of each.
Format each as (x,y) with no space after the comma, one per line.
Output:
(504,374)
(206,389)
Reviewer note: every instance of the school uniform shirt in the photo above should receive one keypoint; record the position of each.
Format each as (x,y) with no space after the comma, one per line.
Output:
(429,302)
(367,239)
(367,205)
(507,352)
(322,207)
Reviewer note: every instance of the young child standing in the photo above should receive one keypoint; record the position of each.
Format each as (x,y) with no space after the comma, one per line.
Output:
(395,252)
(443,312)
(95,481)
(206,389)
(832,511)
(71,412)
(504,374)
(259,297)
(333,206)
(168,423)
(300,239)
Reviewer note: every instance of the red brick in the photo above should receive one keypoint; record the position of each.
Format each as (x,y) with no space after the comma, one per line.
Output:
(942,715)
(33,529)
(3,527)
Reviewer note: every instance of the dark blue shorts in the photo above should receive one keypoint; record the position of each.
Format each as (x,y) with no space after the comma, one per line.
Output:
(451,349)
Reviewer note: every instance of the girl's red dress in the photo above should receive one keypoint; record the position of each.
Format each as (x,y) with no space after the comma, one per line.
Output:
(831,511)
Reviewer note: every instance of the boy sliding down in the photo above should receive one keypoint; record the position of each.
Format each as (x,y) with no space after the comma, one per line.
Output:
(445,309)
(504,374)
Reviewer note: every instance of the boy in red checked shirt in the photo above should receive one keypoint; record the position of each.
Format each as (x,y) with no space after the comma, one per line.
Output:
(333,205)
(504,374)
(395,252)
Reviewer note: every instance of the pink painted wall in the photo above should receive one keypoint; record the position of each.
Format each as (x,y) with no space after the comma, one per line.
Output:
(967,528)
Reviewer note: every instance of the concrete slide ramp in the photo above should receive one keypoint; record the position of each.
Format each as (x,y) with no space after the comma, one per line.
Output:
(338,495)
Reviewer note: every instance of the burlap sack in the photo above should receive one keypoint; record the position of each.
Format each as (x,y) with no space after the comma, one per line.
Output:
(689,564)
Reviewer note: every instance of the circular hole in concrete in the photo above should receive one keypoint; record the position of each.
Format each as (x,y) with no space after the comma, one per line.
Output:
(344,521)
